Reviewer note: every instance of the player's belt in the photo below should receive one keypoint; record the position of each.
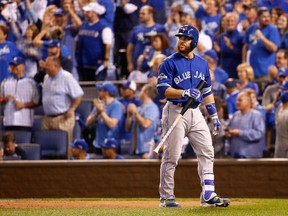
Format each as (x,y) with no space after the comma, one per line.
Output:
(194,105)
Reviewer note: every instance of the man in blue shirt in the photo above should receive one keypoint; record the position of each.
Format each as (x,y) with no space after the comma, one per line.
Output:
(261,42)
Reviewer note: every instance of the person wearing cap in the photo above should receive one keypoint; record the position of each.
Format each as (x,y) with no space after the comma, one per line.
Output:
(11,149)
(79,150)
(232,93)
(211,57)
(261,41)
(20,95)
(230,46)
(8,50)
(94,42)
(142,122)
(61,96)
(137,41)
(127,93)
(110,149)
(250,12)
(107,114)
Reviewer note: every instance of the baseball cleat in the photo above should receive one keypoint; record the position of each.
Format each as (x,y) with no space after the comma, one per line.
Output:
(216,201)
(169,203)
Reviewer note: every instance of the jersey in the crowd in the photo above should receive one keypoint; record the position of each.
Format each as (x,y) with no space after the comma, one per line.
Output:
(282,4)
(220,75)
(139,41)
(182,73)
(113,110)
(261,58)
(210,24)
(90,48)
(8,50)
(229,59)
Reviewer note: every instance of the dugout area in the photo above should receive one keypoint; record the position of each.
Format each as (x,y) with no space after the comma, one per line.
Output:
(258,178)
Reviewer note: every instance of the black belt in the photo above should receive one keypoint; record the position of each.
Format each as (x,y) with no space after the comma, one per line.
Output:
(193,106)
(56,115)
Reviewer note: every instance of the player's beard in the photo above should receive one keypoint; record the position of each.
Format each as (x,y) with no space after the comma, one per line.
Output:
(184,50)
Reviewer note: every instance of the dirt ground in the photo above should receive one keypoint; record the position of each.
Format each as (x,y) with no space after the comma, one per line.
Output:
(90,204)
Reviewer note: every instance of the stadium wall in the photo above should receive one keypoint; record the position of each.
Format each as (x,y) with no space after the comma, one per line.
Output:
(266,178)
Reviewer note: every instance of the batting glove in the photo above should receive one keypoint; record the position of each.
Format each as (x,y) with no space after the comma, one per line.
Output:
(217,125)
(193,93)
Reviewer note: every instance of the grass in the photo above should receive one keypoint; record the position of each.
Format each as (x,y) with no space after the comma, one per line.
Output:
(243,207)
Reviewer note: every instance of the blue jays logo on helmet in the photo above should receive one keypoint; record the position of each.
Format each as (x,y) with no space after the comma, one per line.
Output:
(191,32)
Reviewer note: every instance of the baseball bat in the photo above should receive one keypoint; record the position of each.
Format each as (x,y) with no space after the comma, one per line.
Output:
(189,103)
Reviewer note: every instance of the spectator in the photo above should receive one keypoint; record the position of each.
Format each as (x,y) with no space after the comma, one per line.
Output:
(107,113)
(20,95)
(142,122)
(8,50)
(246,75)
(272,73)
(246,130)
(276,12)
(137,41)
(10,147)
(211,57)
(94,43)
(232,91)
(272,4)
(159,45)
(204,42)
(208,12)
(230,45)
(61,96)
(281,122)
(282,25)
(109,149)
(218,89)
(250,12)
(127,92)
(261,42)
(282,58)
(79,150)
(125,20)
(173,24)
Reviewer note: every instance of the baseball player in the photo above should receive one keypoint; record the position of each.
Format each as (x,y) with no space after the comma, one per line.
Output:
(178,76)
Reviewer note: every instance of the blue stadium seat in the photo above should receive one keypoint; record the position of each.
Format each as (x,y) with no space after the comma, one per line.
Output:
(22,136)
(32,150)
(84,109)
(53,144)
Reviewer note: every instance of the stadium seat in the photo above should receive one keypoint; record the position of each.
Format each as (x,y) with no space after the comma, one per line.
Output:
(84,109)
(32,150)
(22,136)
(37,124)
(53,144)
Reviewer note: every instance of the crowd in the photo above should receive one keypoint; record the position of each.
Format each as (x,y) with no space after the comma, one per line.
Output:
(47,47)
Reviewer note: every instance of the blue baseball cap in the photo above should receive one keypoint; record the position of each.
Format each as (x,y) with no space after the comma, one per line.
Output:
(59,12)
(107,86)
(129,84)
(110,143)
(54,43)
(212,54)
(231,83)
(80,144)
(17,60)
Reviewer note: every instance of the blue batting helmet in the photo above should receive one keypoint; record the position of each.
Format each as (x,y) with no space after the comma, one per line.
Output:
(191,32)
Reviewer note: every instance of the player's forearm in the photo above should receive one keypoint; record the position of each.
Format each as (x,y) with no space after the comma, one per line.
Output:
(210,100)
(173,93)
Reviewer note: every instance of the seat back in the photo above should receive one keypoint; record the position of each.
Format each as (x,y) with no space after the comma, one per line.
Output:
(32,150)
(22,136)
(53,144)
(84,109)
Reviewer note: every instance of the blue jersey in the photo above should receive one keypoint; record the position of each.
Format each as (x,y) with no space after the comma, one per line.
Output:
(7,51)
(90,47)
(261,58)
(231,58)
(272,4)
(210,24)
(220,75)
(113,110)
(139,41)
(180,73)
(108,17)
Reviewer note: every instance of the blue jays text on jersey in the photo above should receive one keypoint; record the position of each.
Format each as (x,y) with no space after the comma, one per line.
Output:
(181,73)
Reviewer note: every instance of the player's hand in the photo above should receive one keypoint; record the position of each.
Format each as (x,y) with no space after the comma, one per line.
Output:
(217,125)
(193,93)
